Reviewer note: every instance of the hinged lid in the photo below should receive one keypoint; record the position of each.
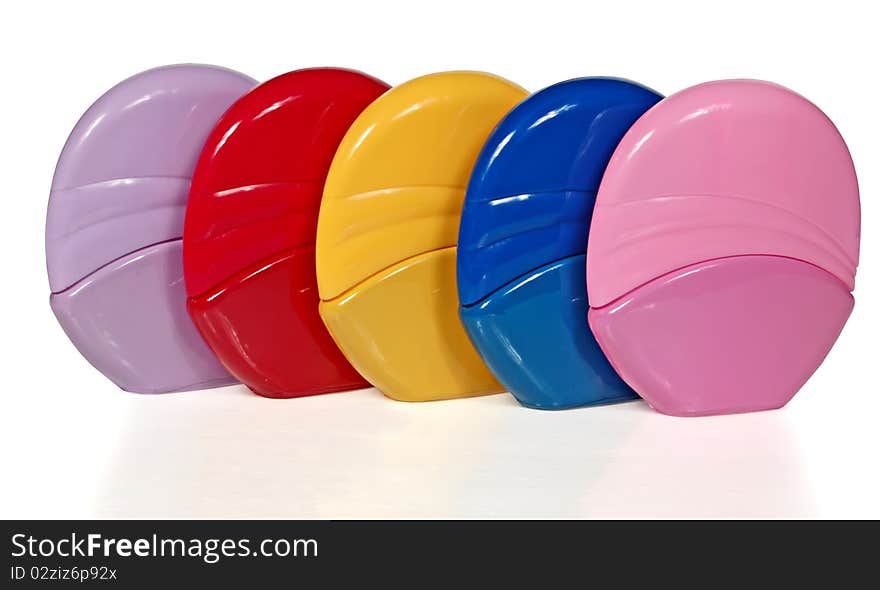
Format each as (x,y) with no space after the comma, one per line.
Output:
(397,183)
(122,178)
(727,168)
(533,187)
(257,188)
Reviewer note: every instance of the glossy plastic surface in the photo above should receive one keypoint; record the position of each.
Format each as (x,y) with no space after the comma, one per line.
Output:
(724,169)
(117,206)
(723,246)
(397,183)
(91,225)
(524,230)
(532,190)
(121,180)
(264,324)
(129,320)
(250,231)
(405,337)
(737,334)
(533,335)
(388,228)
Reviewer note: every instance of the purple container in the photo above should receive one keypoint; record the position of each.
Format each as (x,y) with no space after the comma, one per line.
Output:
(115,223)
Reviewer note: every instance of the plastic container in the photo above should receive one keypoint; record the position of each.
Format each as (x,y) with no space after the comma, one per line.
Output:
(387,233)
(114,226)
(523,241)
(723,248)
(249,239)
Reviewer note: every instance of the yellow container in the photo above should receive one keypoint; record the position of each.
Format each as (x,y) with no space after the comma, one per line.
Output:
(387,230)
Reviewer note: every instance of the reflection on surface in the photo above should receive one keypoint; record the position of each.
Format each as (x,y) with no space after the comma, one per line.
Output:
(229,453)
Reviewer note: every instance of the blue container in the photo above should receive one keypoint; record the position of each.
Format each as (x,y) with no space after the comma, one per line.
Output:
(523,241)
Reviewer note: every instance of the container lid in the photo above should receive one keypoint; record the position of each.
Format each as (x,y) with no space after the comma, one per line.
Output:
(397,182)
(722,169)
(122,178)
(532,190)
(257,187)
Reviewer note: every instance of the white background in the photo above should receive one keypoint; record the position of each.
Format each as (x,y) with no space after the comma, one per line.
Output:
(73,445)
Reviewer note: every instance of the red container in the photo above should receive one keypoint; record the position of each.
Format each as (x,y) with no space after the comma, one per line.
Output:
(249,234)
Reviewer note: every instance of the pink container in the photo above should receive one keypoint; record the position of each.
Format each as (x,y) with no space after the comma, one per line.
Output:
(723,248)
